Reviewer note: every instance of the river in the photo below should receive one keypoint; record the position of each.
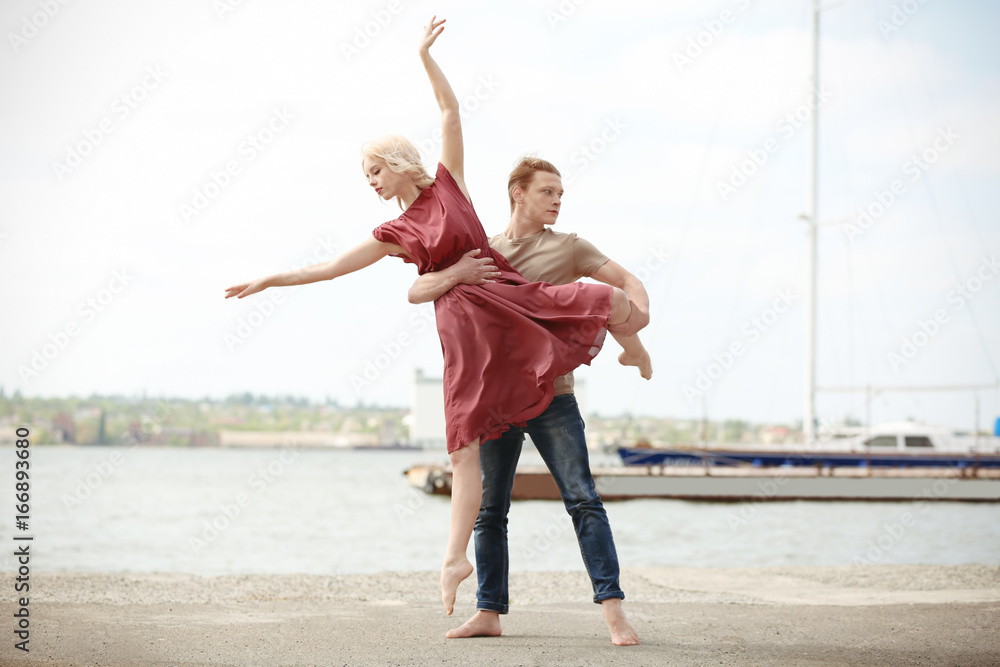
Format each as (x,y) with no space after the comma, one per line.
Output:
(227,511)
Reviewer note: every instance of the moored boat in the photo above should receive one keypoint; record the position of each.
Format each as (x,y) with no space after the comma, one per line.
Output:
(899,445)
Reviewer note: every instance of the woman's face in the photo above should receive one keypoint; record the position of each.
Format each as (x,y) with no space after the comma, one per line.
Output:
(385,181)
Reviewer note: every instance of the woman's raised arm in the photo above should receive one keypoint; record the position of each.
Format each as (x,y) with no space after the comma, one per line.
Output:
(452,148)
(364,254)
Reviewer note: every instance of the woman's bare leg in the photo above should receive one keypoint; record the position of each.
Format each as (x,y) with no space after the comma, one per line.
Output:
(634,353)
(466,497)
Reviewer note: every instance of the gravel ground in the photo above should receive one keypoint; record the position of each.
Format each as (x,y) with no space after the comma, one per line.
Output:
(854,585)
(885,614)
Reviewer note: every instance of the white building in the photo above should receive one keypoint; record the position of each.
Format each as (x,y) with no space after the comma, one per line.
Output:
(427,425)
(427,411)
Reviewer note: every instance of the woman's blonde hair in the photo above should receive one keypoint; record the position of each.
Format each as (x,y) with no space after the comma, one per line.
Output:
(524,173)
(400,156)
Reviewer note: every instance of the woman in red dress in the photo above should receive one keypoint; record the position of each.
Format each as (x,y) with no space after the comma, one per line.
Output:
(504,342)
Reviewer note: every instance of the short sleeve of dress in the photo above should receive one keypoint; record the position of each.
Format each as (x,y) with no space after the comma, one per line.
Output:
(394,231)
(433,227)
(443,171)
(448,182)
(386,233)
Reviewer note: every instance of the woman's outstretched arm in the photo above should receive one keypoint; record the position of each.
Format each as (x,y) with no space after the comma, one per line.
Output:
(452,148)
(364,254)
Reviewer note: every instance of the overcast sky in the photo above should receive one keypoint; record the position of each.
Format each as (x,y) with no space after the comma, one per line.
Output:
(151,154)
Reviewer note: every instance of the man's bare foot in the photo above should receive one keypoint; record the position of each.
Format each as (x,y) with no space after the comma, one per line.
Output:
(452,574)
(622,632)
(642,361)
(482,624)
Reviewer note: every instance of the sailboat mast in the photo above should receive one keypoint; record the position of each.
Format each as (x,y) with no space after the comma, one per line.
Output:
(809,411)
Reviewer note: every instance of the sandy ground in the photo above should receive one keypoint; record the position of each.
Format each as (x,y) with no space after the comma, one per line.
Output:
(862,615)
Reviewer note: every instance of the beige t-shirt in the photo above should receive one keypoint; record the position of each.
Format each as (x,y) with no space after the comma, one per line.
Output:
(554,258)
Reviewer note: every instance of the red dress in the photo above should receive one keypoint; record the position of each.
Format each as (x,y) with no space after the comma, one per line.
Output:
(504,343)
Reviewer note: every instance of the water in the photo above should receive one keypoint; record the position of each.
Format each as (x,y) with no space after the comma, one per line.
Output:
(331,512)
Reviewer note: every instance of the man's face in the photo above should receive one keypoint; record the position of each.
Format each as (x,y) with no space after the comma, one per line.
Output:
(542,198)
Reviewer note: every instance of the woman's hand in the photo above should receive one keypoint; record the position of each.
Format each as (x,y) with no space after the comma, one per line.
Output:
(452,146)
(431,32)
(246,289)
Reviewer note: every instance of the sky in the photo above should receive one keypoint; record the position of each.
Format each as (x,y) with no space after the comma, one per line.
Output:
(152,154)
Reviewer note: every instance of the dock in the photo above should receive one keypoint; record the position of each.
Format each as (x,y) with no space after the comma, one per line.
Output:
(748,483)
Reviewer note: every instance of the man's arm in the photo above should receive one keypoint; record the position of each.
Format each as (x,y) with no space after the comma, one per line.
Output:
(469,271)
(614,274)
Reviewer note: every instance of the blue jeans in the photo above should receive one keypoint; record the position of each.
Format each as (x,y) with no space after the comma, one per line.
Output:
(558,437)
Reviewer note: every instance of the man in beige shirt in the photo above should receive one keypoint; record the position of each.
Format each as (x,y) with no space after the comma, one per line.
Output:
(540,254)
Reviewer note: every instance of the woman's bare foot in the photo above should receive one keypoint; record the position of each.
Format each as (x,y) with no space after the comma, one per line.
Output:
(452,574)
(622,632)
(482,624)
(641,360)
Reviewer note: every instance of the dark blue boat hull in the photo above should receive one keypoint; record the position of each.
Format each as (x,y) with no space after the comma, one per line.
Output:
(647,456)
